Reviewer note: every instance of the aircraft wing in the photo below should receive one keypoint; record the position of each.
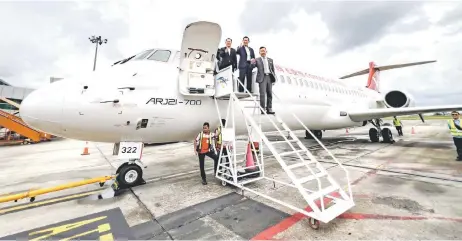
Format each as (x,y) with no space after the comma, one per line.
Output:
(388,112)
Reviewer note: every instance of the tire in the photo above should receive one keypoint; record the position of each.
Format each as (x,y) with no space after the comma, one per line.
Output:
(318,134)
(373,135)
(129,175)
(387,135)
(308,135)
(314,223)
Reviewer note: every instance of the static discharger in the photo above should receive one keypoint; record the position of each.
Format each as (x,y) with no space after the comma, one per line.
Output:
(32,194)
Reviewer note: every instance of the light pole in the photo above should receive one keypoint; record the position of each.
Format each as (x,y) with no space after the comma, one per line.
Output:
(97,41)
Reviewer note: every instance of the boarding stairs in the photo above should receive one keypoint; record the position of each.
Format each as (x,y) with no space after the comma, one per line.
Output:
(305,171)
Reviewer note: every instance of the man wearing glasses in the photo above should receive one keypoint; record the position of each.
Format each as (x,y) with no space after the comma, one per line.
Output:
(456,132)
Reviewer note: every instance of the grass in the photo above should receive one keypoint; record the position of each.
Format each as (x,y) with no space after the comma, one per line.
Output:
(430,117)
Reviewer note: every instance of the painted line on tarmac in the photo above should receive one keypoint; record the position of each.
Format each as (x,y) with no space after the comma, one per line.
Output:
(360,216)
(285,224)
(108,225)
(46,202)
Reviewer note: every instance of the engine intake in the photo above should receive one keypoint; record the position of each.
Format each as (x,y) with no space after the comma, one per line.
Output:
(398,99)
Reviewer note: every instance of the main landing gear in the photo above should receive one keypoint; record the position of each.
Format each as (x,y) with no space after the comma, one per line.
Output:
(377,132)
(318,135)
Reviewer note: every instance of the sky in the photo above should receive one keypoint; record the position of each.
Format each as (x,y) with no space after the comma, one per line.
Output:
(41,39)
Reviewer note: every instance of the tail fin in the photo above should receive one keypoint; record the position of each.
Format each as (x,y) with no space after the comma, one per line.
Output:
(373,80)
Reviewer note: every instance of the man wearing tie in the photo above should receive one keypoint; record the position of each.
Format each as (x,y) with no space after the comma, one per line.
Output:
(266,78)
(246,63)
(226,56)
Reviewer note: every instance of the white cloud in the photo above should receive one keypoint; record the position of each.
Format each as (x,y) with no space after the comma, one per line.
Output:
(55,48)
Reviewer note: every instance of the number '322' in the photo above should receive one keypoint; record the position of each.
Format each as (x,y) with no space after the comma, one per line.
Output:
(129,149)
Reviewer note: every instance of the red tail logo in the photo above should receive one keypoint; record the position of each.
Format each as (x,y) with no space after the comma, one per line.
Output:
(373,79)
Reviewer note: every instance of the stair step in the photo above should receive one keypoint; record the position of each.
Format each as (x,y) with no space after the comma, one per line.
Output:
(339,207)
(279,142)
(322,192)
(301,164)
(275,132)
(290,152)
(311,177)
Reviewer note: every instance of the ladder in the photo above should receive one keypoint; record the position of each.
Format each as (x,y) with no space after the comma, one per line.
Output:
(304,170)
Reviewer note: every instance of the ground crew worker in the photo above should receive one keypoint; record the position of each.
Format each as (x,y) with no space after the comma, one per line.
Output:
(219,143)
(456,132)
(204,145)
(398,126)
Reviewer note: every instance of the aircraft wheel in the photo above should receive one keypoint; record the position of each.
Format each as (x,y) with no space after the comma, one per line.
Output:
(314,224)
(129,175)
(387,135)
(224,183)
(308,135)
(373,135)
(318,134)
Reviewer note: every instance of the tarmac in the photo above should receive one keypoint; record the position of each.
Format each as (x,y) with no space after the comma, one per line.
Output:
(406,190)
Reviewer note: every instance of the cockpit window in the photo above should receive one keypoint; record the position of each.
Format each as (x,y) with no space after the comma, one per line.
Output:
(160,55)
(142,55)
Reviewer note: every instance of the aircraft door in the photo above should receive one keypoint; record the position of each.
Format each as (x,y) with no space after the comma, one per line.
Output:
(198,58)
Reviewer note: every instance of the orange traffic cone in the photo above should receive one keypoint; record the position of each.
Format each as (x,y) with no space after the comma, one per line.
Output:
(85,150)
(249,158)
(412,130)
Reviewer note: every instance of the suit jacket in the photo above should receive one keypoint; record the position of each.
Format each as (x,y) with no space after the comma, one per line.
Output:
(261,70)
(243,60)
(225,59)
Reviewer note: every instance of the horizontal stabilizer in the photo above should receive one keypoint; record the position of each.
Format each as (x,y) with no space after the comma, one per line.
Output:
(386,67)
(388,112)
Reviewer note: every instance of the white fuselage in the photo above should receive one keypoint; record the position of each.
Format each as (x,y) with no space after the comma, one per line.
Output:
(64,108)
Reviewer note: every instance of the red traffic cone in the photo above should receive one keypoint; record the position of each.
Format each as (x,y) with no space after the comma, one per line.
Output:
(346,130)
(249,158)
(412,130)
(85,150)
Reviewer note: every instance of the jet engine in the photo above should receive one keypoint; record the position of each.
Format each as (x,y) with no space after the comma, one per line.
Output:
(398,99)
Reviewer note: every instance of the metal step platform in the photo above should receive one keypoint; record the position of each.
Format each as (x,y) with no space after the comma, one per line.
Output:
(306,173)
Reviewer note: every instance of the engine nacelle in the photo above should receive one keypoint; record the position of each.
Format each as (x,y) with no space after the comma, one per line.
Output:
(398,99)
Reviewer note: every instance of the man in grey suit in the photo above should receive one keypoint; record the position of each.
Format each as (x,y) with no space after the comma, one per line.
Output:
(266,78)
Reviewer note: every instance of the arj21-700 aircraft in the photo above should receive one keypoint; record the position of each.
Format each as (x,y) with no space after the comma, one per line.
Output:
(165,95)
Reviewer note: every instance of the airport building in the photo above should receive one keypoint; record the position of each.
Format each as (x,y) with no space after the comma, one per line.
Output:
(16,94)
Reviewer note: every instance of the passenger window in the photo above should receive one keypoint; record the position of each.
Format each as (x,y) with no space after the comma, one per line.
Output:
(282,78)
(289,81)
(160,55)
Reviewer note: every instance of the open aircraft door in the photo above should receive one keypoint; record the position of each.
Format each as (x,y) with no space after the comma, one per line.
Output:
(198,58)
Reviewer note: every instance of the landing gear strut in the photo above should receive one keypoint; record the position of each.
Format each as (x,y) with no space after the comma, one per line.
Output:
(318,135)
(377,132)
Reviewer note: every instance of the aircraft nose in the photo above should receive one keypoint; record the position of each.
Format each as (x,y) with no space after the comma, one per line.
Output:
(42,109)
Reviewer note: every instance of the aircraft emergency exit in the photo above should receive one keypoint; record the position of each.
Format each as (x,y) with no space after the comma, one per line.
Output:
(165,95)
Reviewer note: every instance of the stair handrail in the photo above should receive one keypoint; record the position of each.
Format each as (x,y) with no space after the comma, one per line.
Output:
(288,171)
(322,145)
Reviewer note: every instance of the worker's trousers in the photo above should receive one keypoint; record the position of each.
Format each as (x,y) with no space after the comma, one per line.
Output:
(458,143)
(202,160)
(400,130)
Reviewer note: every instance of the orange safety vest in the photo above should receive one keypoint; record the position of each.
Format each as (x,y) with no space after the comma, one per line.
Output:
(205,143)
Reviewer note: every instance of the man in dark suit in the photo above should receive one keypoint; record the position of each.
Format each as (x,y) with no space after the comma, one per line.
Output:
(266,78)
(246,63)
(226,56)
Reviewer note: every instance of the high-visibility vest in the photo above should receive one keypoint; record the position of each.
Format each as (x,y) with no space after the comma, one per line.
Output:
(396,122)
(454,130)
(218,135)
(210,140)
